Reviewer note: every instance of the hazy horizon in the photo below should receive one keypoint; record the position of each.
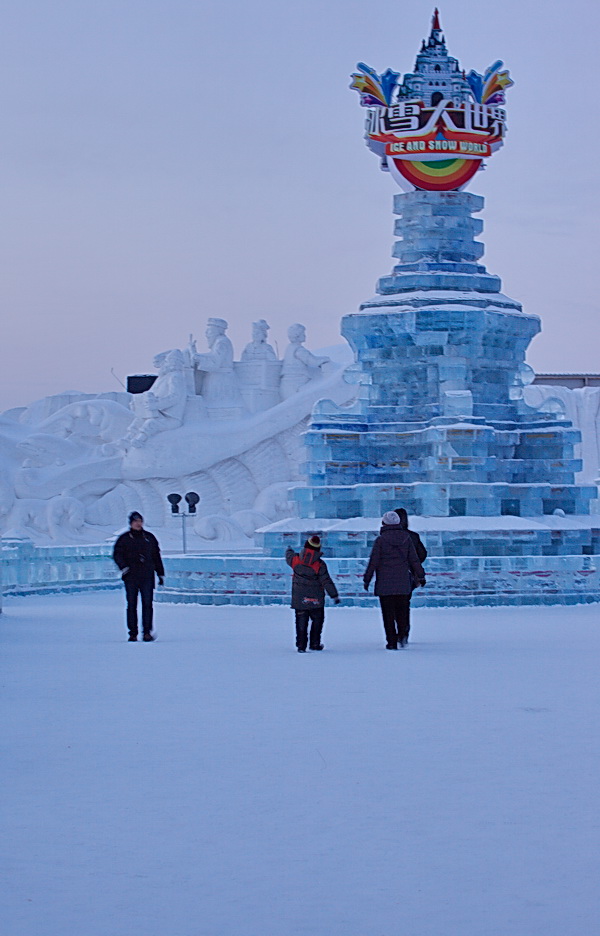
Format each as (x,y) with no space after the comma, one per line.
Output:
(165,162)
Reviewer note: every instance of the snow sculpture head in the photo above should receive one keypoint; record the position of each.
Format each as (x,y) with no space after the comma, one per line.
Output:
(168,361)
(297,334)
(214,328)
(173,362)
(259,348)
(259,331)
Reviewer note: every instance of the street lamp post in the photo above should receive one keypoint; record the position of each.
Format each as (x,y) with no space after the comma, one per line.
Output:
(191,499)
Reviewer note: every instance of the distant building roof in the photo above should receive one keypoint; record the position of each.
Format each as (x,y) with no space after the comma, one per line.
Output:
(573,381)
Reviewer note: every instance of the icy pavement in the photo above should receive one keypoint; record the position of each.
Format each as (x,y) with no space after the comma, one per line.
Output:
(217,783)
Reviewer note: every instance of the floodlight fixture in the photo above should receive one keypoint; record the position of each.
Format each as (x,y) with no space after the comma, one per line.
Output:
(192,499)
(174,500)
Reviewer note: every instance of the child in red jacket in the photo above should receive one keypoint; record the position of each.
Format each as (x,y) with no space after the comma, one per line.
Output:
(310,581)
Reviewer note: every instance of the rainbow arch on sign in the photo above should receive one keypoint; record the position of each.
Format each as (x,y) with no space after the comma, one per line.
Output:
(442,175)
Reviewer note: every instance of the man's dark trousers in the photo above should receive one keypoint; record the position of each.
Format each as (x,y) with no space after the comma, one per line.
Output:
(141,583)
(395,610)
(317,616)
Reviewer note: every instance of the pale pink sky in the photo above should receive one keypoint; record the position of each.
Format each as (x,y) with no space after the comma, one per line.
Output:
(166,160)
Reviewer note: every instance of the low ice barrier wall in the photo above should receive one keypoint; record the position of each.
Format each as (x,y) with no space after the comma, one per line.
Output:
(38,570)
(457,581)
(452,581)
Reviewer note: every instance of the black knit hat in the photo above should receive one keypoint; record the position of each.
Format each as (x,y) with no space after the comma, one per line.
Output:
(402,514)
(313,542)
(134,515)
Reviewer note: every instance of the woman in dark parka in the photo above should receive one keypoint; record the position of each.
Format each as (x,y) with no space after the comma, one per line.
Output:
(393,560)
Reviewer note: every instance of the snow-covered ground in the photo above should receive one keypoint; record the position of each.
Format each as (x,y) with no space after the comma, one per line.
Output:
(217,783)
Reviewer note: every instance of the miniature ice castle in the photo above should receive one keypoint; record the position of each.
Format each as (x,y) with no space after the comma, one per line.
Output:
(437,75)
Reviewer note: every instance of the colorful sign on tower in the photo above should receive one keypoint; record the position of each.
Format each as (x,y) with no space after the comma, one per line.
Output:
(433,130)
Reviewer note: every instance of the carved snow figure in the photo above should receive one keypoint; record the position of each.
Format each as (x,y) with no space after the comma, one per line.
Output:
(259,349)
(219,386)
(299,364)
(162,407)
(259,371)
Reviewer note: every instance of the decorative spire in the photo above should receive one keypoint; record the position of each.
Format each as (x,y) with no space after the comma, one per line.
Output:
(435,22)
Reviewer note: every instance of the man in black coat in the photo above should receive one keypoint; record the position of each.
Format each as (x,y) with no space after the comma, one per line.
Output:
(393,560)
(137,555)
(310,581)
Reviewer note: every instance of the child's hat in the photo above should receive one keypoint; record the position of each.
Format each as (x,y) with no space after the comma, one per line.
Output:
(314,541)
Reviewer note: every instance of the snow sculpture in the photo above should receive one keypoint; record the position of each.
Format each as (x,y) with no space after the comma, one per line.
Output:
(217,383)
(299,365)
(73,465)
(162,407)
(258,349)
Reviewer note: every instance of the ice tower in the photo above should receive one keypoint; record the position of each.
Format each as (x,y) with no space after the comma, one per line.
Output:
(440,426)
